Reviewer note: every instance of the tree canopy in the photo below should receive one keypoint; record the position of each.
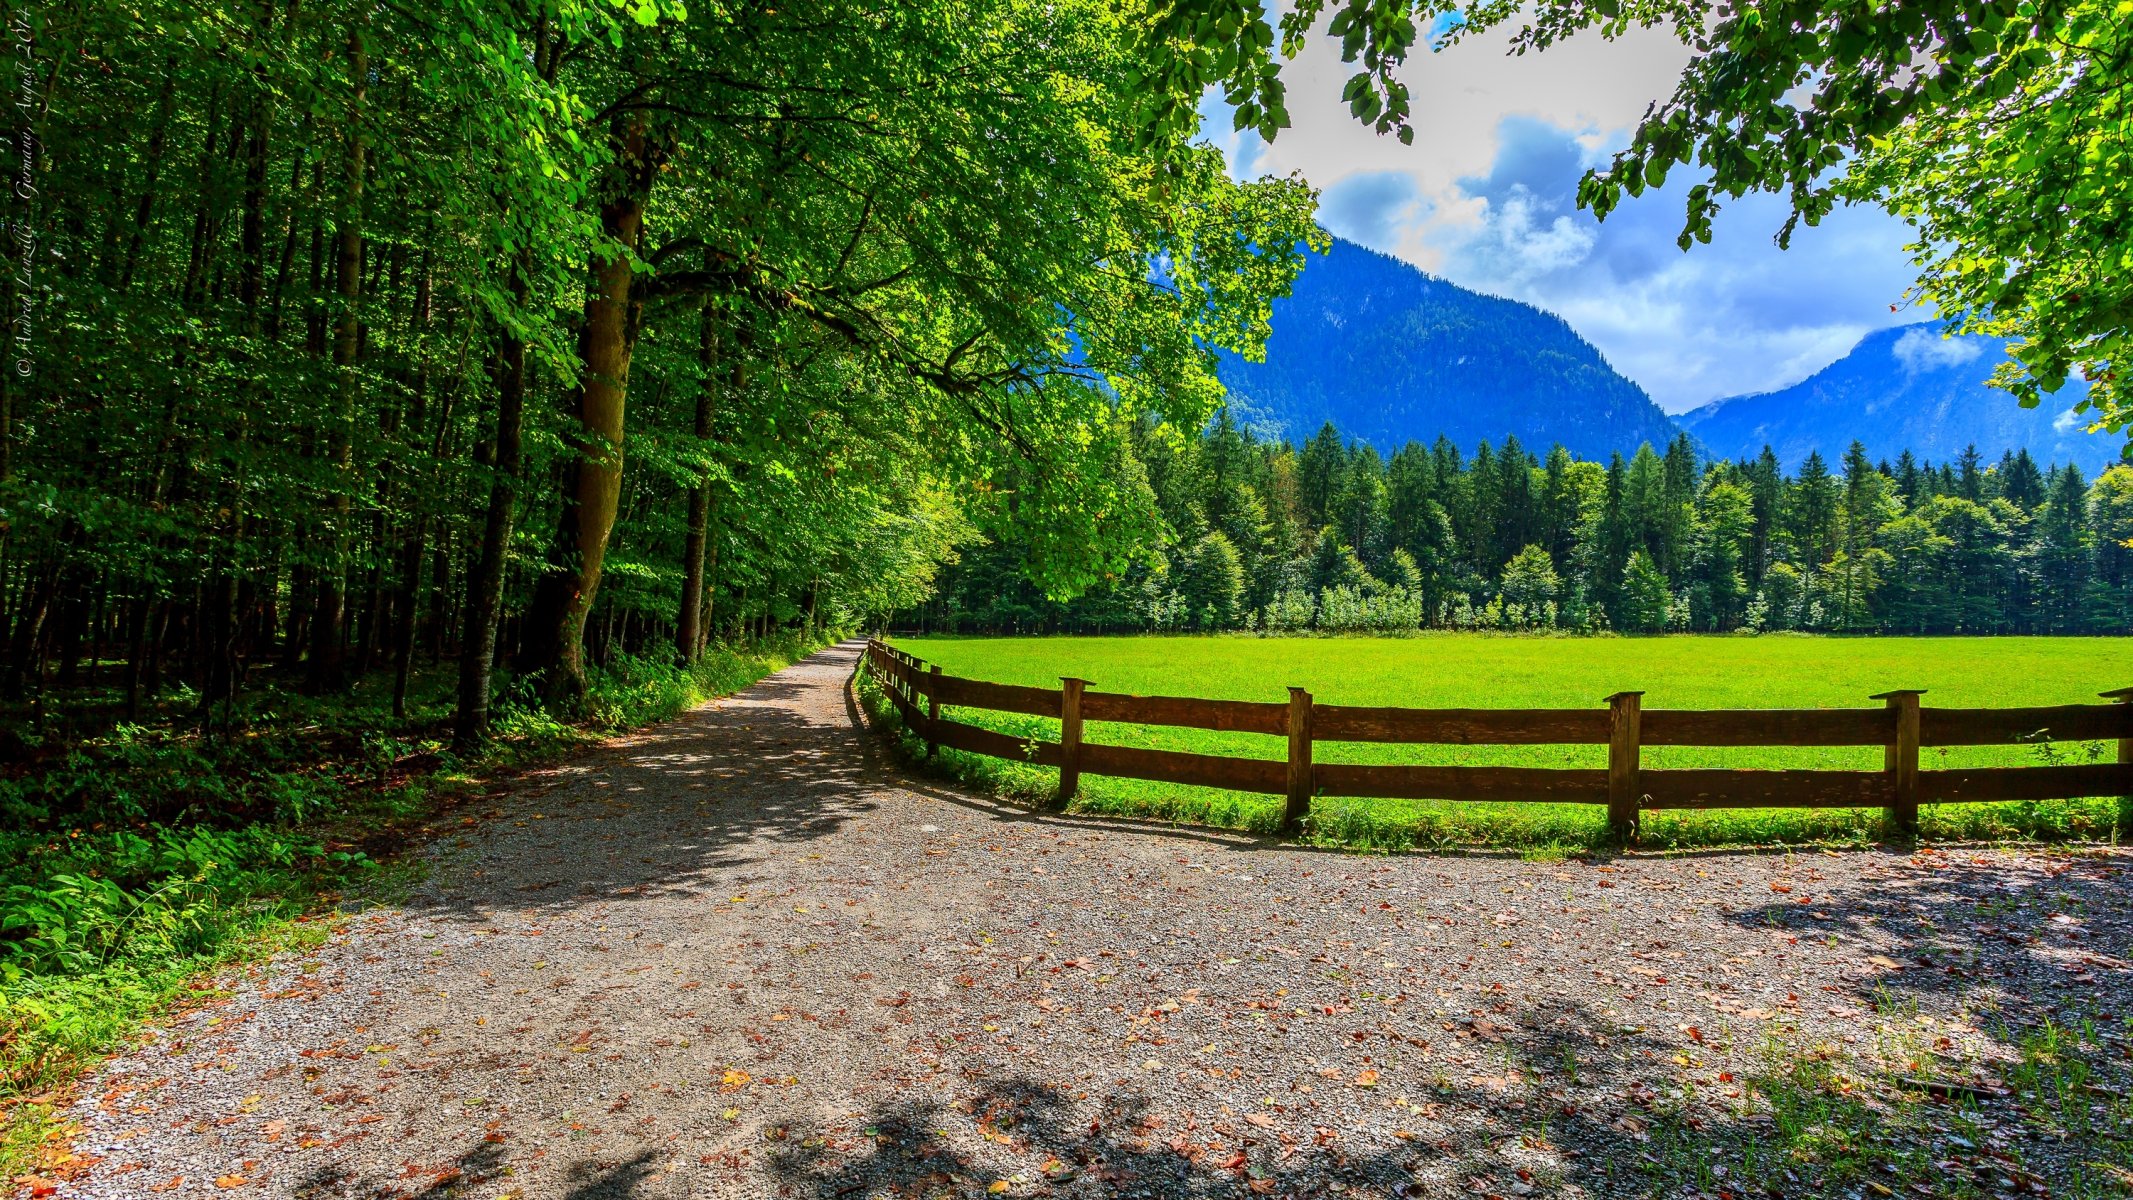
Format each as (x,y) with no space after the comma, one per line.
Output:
(517,328)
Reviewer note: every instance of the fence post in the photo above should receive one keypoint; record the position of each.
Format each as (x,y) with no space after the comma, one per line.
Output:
(933,711)
(1070,737)
(1299,800)
(1625,725)
(2125,755)
(1901,759)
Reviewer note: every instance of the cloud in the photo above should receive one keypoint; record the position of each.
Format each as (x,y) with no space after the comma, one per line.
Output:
(1489,202)
(1737,315)
(1374,210)
(2066,422)
(1926,350)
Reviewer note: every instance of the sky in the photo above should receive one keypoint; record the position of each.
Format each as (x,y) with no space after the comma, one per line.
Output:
(1486,197)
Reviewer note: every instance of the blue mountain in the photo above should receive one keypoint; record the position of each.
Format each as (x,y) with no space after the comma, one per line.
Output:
(1900,389)
(1389,353)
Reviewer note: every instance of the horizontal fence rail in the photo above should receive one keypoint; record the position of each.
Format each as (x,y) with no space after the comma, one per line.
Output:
(1901,727)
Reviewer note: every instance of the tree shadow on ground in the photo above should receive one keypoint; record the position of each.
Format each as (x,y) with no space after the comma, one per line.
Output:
(470,1170)
(663,810)
(1515,1130)
(1948,926)
(1560,1095)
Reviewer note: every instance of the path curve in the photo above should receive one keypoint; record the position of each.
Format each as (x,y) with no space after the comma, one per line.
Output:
(739,955)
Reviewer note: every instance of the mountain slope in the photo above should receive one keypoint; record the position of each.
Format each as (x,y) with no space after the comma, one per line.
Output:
(1389,354)
(1905,388)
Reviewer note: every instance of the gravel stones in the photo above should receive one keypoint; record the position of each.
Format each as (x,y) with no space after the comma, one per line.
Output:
(739,955)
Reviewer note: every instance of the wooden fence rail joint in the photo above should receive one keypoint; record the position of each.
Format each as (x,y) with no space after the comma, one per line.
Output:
(2124,700)
(1625,786)
(1901,759)
(1298,800)
(1070,690)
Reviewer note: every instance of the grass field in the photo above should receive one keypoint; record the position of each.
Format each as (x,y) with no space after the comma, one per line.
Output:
(1487,671)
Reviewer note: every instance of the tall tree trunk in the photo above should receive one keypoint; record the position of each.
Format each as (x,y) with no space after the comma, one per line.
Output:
(287,262)
(222,599)
(145,210)
(710,590)
(329,615)
(203,215)
(592,475)
(142,610)
(485,588)
(410,564)
(688,623)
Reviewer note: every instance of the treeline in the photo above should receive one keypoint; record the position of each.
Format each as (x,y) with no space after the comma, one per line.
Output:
(1264,535)
(350,338)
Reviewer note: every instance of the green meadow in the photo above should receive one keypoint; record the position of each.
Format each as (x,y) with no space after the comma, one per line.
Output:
(1494,671)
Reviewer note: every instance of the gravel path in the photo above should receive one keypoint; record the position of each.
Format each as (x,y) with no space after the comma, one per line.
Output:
(740,955)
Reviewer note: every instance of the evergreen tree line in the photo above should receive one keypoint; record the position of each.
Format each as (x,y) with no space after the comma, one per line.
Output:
(1330,535)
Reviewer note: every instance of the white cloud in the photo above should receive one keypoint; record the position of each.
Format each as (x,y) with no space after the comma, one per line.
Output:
(1522,229)
(1927,350)
(1486,198)
(2066,422)
(1375,210)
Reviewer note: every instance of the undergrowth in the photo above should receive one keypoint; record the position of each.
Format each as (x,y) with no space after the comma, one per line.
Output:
(135,862)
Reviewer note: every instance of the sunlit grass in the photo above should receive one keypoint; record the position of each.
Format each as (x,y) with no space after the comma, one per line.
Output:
(1486,671)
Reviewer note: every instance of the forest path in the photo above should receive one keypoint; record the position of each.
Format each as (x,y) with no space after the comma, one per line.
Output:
(739,954)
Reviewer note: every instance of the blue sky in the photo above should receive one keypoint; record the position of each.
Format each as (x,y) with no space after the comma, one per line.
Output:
(1486,197)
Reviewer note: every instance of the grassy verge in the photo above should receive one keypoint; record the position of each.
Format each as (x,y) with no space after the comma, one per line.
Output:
(1468,670)
(136,864)
(1901,1115)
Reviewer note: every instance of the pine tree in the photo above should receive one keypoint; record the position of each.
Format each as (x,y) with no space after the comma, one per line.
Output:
(1766,496)
(1558,508)
(1518,518)
(1970,475)
(1646,599)
(1212,583)
(1908,479)
(2110,600)
(1811,512)
(1725,520)
(1479,514)
(2021,483)
(2062,560)
(1321,468)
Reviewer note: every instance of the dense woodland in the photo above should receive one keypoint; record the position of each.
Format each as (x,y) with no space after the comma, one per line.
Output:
(355,338)
(349,337)
(1263,535)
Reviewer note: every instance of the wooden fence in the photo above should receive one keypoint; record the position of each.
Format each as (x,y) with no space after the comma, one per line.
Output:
(1901,726)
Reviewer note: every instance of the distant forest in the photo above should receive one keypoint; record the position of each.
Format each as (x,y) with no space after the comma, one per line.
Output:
(1264,535)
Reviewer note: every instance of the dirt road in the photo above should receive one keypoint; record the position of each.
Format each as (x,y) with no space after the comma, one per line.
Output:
(741,955)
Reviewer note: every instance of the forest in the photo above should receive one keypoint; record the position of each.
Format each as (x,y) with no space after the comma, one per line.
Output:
(1259,534)
(361,338)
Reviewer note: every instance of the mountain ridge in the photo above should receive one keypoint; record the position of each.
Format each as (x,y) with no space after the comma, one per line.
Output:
(1897,389)
(1389,353)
